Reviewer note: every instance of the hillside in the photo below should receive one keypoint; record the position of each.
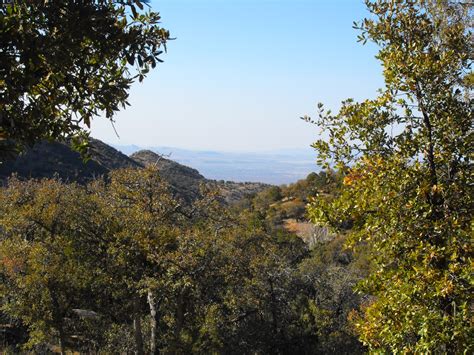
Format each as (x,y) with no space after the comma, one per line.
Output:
(46,160)
(185,180)
(188,180)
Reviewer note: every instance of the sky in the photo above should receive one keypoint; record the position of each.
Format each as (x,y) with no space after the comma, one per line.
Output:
(240,73)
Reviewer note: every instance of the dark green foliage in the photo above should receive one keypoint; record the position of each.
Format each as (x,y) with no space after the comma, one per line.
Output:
(331,274)
(407,194)
(62,63)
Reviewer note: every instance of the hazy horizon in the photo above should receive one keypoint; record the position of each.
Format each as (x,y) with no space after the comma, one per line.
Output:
(272,167)
(240,74)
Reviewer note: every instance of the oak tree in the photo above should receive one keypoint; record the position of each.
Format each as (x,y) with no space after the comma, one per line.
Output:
(49,248)
(407,193)
(64,63)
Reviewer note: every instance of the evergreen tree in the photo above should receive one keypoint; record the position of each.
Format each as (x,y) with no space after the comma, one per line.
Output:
(407,192)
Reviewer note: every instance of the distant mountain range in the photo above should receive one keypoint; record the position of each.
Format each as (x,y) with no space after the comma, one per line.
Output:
(47,160)
(278,167)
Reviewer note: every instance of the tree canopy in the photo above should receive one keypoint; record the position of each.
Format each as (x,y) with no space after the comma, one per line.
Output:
(124,266)
(407,157)
(126,263)
(64,63)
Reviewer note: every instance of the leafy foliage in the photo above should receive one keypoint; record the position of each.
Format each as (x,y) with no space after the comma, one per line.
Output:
(122,266)
(408,186)
(63,63)
(47,254)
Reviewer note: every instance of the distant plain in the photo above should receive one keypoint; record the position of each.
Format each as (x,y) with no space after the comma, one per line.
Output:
(277,167)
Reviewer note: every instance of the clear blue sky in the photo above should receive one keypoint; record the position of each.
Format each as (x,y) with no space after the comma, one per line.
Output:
(241,72)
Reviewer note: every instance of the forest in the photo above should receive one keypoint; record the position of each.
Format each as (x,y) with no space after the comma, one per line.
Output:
(122,266)
(371,254)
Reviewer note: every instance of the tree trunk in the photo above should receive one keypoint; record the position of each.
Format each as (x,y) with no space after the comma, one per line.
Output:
(137,327)
(58,320)
(62,340)
(153,326)
(429,129)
